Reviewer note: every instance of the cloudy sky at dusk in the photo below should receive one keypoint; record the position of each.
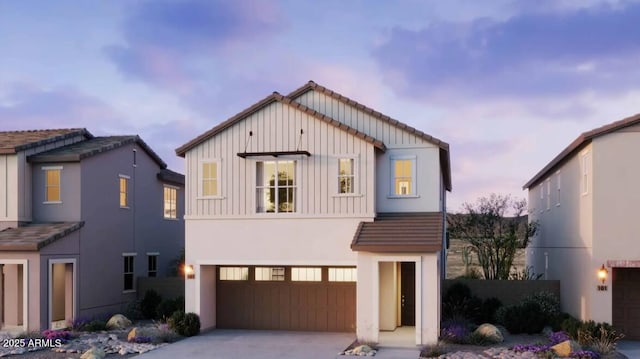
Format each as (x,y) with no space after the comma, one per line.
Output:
(508,84)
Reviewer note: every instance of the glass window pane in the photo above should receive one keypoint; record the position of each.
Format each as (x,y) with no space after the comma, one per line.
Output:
(234,273)
(306,274)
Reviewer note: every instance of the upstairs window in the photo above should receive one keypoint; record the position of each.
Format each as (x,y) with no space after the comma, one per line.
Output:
(170,202)
(210,180)
(276,187)
(403,176)
(346,175)
(124,191)
(52,184)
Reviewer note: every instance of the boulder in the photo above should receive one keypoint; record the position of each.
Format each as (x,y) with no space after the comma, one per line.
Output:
(132,334)
(93,353)
(490,332)
(118,321)
(565,348)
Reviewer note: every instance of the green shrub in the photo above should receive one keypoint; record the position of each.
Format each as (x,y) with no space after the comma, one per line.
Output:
(570,325)
(133,310)
(167,307)
(96,325)
(548,302)
(522,318)
(149,304)
(488,310)
(459,304)
(185,324)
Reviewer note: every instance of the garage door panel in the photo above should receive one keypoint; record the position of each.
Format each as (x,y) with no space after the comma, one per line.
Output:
(286,305)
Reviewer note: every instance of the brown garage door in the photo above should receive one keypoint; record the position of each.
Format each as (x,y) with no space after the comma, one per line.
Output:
(286,298)
(626,301)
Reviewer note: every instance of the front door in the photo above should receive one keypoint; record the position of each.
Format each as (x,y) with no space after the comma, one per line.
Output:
(408,293)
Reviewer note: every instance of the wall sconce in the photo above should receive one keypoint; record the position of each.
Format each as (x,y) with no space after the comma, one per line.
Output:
(602,275)
(189,273)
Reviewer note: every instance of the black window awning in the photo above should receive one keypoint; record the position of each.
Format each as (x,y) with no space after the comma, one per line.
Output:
(273,154)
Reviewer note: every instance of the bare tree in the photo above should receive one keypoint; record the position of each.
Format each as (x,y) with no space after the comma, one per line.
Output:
(493,236)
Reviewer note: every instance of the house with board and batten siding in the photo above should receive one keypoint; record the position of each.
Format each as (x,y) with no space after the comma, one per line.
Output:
(314,212)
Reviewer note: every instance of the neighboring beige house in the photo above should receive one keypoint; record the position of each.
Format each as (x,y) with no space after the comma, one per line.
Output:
(586,202)
(313,212)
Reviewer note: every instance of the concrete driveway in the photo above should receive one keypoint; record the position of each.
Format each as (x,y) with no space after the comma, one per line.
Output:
(251,344)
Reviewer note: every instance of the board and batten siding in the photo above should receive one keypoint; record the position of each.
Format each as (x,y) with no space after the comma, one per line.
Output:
(390,135)
(276,127)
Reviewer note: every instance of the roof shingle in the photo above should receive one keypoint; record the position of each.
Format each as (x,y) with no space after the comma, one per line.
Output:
(400,232)
(34,236)
(15,141)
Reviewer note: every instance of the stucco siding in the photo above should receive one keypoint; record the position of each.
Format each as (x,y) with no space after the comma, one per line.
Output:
(69,207)
(8,188)
(277,128)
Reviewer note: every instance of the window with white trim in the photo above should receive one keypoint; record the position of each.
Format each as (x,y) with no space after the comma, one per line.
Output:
(403,176)
(52,184)
(276,187)
(306,274)
(558,177)
(548,193)
(269,274)
(346,175)
(152,265)
(210,179)
(128,271)
(584,164)
(124,191)
(234,273)
(170,202)
(343,275)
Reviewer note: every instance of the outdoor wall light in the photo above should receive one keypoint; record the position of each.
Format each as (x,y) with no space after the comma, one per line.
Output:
(602,275)
(189,273)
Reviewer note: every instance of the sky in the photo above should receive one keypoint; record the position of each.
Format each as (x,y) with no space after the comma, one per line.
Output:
(508,84)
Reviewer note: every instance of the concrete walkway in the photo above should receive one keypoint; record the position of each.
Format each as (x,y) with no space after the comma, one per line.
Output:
(252,344)
(630,348)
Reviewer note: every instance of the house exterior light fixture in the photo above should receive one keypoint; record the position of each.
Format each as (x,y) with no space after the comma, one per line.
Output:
(189,273)
(602,275)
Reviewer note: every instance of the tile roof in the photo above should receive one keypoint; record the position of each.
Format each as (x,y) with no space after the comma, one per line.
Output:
(81,150)
(167,175)
(444,147)
(580,142)
(15,141)
(400,232)
(34,236)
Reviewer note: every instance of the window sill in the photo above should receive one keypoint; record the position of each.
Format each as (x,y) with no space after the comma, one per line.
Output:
(211,197)
(348,195)
(557,204)
(170,219)
(52,202)
(395,196)
(127,291)
(126,207)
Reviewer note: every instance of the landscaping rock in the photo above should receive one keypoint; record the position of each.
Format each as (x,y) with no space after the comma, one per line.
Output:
(132,334)
(93,353)
(490,332)
(118,321)
(565,348)
(360,350)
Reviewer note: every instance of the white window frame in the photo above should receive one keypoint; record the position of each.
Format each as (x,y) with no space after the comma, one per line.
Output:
(306,274)
(127,180)
(558,182)
(234,273)
(201,178)
(355,178)
(548,193)
(392,178)
(149,271)
(269,274)
(342,274)
(164,202)
(584,177)
(132,273)
(46,169)
(296,188)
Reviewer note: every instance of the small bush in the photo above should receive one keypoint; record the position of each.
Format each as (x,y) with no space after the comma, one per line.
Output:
(459,304)
(433,351)
(164,334)
(480,339)
(63,335)
(599,336)
(558,337)
(570,325)
(96,325)
(522,318)
(133,310)
(185,324)
(149,304)
(455,332)
(167,307)
(488,310)
(548,302)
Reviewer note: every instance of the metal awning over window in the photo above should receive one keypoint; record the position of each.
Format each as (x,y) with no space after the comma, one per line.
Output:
(273,154)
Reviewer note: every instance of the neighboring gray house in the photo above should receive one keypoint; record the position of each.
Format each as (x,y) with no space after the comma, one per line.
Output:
(80,218)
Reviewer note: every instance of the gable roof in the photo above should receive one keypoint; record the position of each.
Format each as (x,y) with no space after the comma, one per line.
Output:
(400,232)
(34,236)
(579,143)
(275,97)
(444,147)
(16,141)
(81,150)
(167,175)
(290,100)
